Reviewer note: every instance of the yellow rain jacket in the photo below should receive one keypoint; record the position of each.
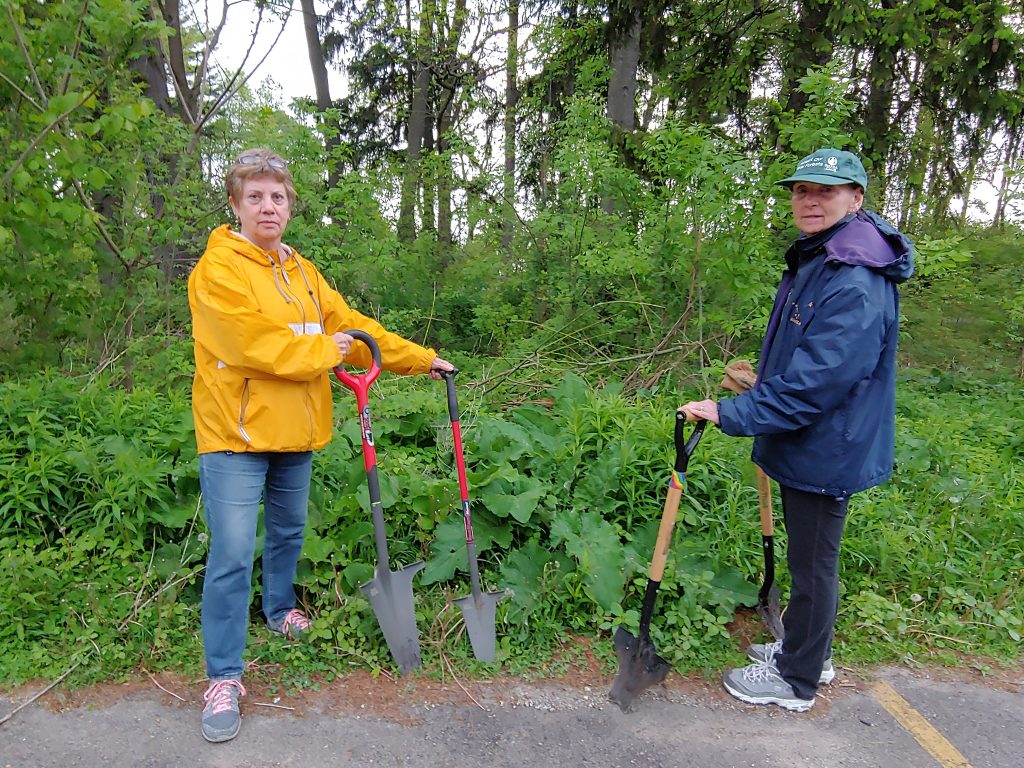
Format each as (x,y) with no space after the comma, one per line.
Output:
(264,351)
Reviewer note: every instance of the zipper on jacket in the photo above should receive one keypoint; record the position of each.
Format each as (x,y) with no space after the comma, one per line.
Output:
(243,404)
(286,291)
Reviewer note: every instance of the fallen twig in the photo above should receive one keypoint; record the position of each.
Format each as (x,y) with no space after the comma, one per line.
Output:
(56,682)
(275,706)
(170,693)
(459,683)
(936,635)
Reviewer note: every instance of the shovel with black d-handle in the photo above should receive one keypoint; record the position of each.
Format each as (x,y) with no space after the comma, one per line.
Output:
(479,607)
(739,378)
(390,592)
(640,666)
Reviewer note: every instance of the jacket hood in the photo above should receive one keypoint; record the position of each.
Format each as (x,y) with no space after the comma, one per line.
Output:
(868,240)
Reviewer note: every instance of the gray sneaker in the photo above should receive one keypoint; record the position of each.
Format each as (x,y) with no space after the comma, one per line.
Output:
(765,652)
(292,625)
(221,719)
(760,683)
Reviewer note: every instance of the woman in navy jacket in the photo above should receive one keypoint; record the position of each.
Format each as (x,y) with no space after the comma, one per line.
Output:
(822,413)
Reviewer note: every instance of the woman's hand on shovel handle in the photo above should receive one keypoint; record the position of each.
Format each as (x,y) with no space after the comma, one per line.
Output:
(439,365)
(343,342)
(701,409)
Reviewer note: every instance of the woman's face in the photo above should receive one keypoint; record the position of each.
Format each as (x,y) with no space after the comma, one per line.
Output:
(816,207)
(263,211)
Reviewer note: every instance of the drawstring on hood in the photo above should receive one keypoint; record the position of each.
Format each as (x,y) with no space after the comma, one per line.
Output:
(277,281)
(312,296)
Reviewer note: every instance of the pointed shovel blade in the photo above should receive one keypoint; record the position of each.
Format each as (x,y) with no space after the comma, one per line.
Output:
(640,667)
(478,616)
(390,594)
(769,610)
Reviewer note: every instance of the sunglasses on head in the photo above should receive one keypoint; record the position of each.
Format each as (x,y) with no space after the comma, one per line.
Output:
(273,162)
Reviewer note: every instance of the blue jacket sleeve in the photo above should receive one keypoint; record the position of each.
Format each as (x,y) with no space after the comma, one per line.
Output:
(839,348)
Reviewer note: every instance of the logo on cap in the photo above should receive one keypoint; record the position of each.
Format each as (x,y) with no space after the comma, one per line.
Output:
(832,163)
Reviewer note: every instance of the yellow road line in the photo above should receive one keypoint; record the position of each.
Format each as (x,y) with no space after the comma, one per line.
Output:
(914,723)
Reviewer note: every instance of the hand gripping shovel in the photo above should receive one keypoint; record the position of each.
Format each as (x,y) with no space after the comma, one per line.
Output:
(740,377)
(477,608)
(640,666)
(390,592)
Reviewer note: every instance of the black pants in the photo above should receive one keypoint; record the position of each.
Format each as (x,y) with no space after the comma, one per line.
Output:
(814,526)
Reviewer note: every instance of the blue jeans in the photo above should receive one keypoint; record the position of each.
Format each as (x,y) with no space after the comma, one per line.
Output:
(232,486)
(814,525)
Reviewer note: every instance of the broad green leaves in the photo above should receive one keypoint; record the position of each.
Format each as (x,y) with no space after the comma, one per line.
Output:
(597,549)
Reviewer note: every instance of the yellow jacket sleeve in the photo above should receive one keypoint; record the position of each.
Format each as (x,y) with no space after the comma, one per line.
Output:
(398,355)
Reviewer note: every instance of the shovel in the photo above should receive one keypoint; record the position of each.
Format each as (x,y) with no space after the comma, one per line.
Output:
(478,607)
(390,592)
(740,377)
(640,666)
(768,597)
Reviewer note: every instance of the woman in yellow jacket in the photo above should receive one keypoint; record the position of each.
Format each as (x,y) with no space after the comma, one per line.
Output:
(268,330)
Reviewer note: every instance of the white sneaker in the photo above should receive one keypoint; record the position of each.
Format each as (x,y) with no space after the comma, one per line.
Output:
(760,683)
(765,653)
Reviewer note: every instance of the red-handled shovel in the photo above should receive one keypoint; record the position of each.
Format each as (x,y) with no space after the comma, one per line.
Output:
(390,592)
(478,607)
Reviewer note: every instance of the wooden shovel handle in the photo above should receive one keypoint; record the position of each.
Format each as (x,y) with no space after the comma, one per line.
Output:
(668,522)
(764,502)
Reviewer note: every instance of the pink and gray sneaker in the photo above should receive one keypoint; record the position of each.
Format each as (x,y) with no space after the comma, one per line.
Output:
(292,625)
(221,718)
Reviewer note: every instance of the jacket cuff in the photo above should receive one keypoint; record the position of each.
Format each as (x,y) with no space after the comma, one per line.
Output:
(727,421)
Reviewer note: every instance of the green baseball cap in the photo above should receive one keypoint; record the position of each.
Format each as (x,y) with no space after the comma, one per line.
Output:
(829,166)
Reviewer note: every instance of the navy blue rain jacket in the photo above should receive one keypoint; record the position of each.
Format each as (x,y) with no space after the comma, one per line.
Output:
(824,407)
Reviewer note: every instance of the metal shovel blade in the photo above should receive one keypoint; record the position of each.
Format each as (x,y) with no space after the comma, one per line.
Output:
(390,595)
(478,616)
(640,667)
(769,610)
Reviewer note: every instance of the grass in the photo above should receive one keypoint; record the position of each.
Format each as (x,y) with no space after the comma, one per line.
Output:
(958,322)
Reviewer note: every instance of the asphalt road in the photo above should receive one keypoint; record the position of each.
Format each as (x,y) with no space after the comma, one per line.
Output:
(884,718)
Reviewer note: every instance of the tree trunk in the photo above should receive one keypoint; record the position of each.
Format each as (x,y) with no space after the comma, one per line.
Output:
(152,71)
(1011,159)
(878,111)
(624,55)
(322,88)
(625,58)
(416,128)
(187,96)
(508,219)
(812,41)
(428,198)
(315,51)
(448,110)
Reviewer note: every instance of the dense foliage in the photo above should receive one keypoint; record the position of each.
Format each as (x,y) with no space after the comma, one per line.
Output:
(103,539)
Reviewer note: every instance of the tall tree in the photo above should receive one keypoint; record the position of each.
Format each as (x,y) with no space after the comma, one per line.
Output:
(508,181)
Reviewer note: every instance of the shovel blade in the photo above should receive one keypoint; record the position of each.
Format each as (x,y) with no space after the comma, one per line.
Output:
(770,612)
(640,667)
(478,616)
(390,594)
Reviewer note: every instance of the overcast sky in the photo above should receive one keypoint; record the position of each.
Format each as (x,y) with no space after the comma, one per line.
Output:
(288,62)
